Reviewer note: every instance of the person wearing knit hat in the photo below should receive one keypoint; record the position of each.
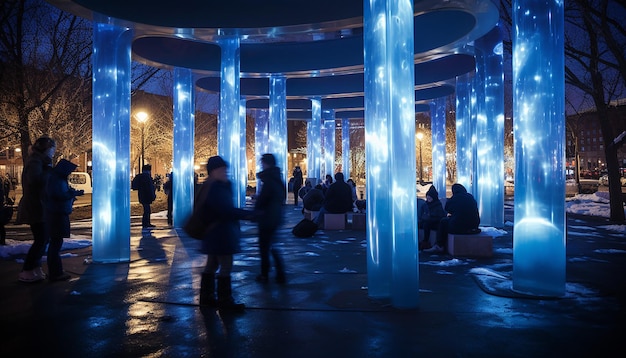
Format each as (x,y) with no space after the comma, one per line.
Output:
(31,209)
(221,239)
(59,200)
(429,216)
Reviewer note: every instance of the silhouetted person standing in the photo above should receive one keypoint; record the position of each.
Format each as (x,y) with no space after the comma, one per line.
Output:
(269,206)
(146,193)
(297,184)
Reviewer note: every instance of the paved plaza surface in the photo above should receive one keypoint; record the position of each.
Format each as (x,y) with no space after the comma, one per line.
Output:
(148,307)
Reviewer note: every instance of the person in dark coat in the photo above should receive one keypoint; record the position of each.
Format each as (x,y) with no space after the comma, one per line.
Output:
(59,199)
(146,193)
(30,209)
(269,204)
(222,239)
(314,199)
(168,189)
(337,200)
(305,189)
(297,184)
(463,217)
(430,215)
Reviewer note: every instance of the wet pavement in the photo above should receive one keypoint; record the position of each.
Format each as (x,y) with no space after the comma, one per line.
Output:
(148,307)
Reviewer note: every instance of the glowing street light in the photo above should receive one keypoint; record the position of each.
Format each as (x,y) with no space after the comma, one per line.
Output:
(142,117)
(420,136)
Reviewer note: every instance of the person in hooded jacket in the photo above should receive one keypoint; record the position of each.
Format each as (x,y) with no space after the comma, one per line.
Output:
(59,198)
(430,215)
(222,238)
(463,217)
(269,206)
(30,209)
(337,200)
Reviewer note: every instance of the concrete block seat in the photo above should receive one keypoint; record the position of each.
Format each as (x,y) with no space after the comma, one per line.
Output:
(308,214)
(334,221)
(470,245)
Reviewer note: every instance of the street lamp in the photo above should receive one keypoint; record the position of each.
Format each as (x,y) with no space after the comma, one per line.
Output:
(420,136)
(142,117)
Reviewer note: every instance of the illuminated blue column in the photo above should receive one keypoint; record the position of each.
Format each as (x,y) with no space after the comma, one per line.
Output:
(392,264)
(539,122)
(229,122)
(490,132)
(242,181)
(261,140)
(278,122)
(314,149)
(111,142)
(328,142)
(345,147)
(438,127)
(183,148)
(463,131)
(476,106)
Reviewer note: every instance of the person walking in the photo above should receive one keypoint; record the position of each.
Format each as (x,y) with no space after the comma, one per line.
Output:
(222,237)
(297,184)
(30,209)
(463,217)
(146,193)
(59,198)
(269,205)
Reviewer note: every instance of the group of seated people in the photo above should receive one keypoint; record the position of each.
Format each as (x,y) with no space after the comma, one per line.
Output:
(460,216)
(336,197)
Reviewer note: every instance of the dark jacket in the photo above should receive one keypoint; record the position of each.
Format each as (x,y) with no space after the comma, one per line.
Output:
(314,199)
(146,192)
(224,235)
(297,180)
(34,176)
(59,195)
(432,211)
(463,211)
(269,203)
(338,198)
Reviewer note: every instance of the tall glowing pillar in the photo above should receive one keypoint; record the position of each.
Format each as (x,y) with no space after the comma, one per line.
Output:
(490,132)
(261,140)
(539,125)
(229,121)
(463,130)
(478,118)
(278,122)
(392,262)
(438,127)
(242,180)
(314,149)
(111,141)
(345,147)
(183,148)
(328,143)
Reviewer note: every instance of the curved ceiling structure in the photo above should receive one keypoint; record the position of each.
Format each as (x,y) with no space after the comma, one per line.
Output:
(317,45)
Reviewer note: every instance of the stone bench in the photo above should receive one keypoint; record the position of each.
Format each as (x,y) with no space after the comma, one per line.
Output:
(357,220)
(334,221)
(308,214)
(472,245)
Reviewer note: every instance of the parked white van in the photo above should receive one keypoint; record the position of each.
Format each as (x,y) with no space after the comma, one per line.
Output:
(80,181)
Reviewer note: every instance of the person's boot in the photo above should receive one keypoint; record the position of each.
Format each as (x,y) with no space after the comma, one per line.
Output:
(207,290)
(225,299)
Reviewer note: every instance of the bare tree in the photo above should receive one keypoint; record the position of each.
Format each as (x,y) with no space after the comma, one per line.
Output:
(42,52)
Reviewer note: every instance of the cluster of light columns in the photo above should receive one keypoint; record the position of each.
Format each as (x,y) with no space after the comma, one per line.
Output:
(463,131)
(390,152)
(183,148)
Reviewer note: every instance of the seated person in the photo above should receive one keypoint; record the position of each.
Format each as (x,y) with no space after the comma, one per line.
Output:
(338,199)
(305,189)
(327,183)
(314,199)
(463,217)
(430,214)
(353,187)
